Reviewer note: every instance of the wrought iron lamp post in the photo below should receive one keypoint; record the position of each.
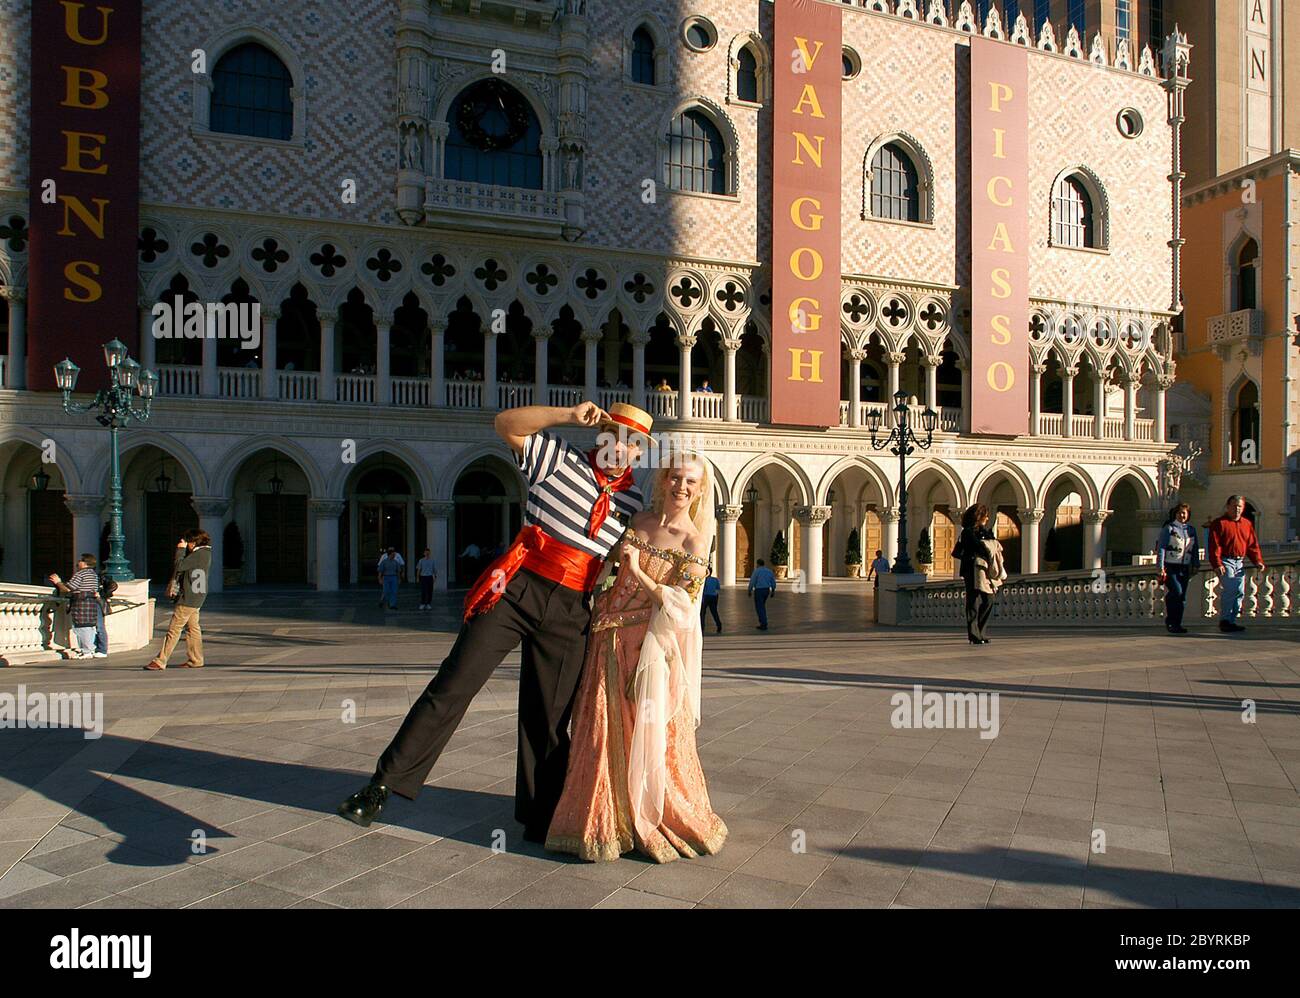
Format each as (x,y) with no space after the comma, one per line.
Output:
(903,442)
(116,408)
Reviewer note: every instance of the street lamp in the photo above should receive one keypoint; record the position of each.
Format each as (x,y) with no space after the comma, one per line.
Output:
(751,495)
(903,442)
(115,407)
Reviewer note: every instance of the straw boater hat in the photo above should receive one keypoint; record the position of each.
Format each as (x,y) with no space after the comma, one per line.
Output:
(632,419)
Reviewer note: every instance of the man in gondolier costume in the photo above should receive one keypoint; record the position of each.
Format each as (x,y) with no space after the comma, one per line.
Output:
(537,592)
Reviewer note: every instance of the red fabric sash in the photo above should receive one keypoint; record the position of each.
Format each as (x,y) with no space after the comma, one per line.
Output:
(607,485)
(538,552)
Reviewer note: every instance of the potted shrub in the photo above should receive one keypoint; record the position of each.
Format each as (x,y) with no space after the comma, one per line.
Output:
(779,556)
(853,554)
(232,555)
(924,553)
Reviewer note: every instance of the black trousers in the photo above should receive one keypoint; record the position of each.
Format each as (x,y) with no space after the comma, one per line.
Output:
(552,623)
(979,608)
(709,604)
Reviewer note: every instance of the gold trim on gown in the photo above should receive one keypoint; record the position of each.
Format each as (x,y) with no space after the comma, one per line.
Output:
(594,817)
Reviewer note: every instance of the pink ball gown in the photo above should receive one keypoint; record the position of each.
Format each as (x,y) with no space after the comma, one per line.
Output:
(634,779)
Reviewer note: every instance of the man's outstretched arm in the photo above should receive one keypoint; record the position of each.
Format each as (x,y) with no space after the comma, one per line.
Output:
(514,426)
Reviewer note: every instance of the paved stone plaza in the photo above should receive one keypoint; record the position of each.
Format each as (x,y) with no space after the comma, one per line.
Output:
(1126,732)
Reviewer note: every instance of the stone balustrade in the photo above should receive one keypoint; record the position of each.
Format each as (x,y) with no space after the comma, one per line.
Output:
(1130,596)
(34,622)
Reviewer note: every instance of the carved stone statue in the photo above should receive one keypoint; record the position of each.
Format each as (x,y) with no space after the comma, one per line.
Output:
(412,149)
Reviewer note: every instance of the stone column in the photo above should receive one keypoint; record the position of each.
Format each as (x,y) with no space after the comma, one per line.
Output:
(16,365)
(437,366)
(383,377)
(730,348)
(436,515)
(1067,400)
(1030,518)
(541,346)
(1162,385)
(1130,383)
(489,399)
(856,357)
(932,381)
(591,363)
(811,521)
(212,518)
(889,540)
(270,383)
(1035,397)
(639,341)
(684,343)
(87,521)
(1094,549)
(1099,404)
(148,345)
(895,362)
(328,365)
(209,384)
(326,513)
(725,568)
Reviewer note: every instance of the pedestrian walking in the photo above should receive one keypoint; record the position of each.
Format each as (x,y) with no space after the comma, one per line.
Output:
(1231,543)
(762,586)
(879,567)
(107,587)
(188,588)
(428,573)
(709,599)
(390,574)
(982,570)
(1178,558)
(83,605)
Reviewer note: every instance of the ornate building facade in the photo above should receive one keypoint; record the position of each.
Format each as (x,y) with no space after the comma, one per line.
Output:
(457,206)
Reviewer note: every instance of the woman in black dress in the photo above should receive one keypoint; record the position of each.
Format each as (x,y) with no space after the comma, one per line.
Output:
(973,546)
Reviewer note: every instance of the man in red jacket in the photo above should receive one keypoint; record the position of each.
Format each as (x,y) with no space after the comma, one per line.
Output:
(1231,544)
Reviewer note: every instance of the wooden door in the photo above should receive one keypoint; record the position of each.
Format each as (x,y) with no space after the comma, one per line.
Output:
(51,543)
(873,537)
(943,537)
(795,547)
(281,539)
(745,543)
(167,516)
(1008,534)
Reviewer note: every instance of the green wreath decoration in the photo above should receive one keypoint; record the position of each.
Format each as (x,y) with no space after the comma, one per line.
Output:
(476,103)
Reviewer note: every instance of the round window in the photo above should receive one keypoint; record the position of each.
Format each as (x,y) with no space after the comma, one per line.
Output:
(699,34)
(1130,123)
(850,64)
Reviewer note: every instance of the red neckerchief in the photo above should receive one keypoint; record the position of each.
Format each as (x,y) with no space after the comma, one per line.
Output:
(601,509)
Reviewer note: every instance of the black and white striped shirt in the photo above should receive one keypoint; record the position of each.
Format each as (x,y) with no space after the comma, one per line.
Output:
(562,491)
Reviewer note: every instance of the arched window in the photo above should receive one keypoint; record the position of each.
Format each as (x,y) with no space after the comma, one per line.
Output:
(696,158)
(1075,224)
(494,137)
(1245,276)
(250,94)
(1245,424)
(643,56)
(747,75)
(895,185)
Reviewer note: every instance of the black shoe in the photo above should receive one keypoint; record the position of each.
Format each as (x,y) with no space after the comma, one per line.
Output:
(365,805)
(719,630)
(1177,629)
(1228,627)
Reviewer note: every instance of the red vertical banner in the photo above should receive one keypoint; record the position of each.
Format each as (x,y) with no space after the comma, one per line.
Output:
(807,71)
(999,94)
(83,184)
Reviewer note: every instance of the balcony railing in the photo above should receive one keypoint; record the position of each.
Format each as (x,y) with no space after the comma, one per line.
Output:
(239,382)
(1232,327)
(469,205)
(354,388)
(410,391)
(180,379)
(298,386)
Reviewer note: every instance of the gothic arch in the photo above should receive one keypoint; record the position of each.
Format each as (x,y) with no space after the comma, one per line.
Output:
(1086,486)
(762,461)
(1019,481)
(1138,477)
(915,151)
(72,477)
(730,141)
(1100,200)
(173,448)
(887,490)
(218,45)
(416,465)
(467,456)
(223,479)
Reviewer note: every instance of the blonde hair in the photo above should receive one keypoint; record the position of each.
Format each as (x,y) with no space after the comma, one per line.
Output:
(702,512)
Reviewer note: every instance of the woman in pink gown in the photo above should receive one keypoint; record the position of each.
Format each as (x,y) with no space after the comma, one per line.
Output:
(634,779)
